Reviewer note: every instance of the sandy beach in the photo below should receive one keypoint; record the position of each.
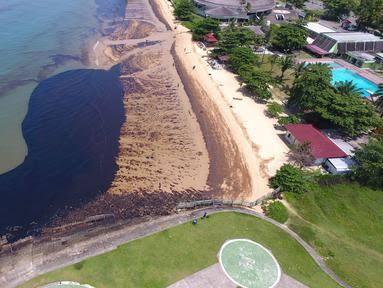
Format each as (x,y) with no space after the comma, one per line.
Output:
(260,149)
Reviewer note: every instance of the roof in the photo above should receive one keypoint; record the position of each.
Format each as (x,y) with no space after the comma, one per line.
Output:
(352,36)
(225,12)
(318,28)
(342,164)
(321,146)
(209,37)
(256,29)
(317,50)
(361,55)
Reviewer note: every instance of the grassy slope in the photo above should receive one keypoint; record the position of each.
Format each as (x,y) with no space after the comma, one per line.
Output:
(345,226)
(163,258)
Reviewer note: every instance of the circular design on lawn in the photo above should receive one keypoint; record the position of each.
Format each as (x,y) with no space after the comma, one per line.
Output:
(67,284)
(249,264)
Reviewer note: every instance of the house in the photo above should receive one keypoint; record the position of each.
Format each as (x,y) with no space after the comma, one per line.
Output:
(360,59)
(339,165)
(321,147)
(343,42)
(233,9)
(209,39)
(316,28)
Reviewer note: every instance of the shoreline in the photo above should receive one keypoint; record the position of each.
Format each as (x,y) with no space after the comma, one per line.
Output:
(260,149)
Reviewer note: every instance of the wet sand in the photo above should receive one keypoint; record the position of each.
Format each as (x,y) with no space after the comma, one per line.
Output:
(174,145)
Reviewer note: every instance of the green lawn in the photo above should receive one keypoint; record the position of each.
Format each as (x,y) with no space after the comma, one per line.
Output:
(168,256)
(345,224)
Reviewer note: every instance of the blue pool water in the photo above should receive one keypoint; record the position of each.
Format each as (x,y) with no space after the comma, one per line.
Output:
(344,74)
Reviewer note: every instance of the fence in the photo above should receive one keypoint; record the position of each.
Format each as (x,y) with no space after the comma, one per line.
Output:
(215,202)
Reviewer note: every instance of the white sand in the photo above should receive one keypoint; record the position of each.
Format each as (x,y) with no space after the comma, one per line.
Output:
(259,143)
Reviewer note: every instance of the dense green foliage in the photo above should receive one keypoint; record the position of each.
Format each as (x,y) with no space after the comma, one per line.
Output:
(161,259)
(277,211)
(344,223)
(336,9)
(183,9)
(350,113)
(291,119)
(203,26)
(274,109)
(298,3)
(241,56)
(291,179)
(285,63)
(289,37)
(369,170)
(370,13)
(311,87)
(233,37)
(312,91)
(256,81)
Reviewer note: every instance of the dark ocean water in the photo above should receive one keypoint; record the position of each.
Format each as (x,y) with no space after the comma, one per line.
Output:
(72,130)
(68,115)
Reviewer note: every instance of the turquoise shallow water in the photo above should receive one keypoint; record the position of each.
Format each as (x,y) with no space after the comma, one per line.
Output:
(60,118)
(39,39)
(344,74)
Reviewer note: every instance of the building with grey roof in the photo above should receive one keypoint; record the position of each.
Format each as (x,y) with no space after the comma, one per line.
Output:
(233,9)
(343,42)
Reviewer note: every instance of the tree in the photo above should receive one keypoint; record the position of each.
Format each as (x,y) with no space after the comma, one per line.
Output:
(378,95)
(273,59)
(350,113)
(300,154)
(298,3)
(337,9)
(347,87)
(241,56)
(285,63)
(204,26)
(233,37)
(311,88)
(183,9)
(291,179)
(369,159)
(299,68)
(370,13)
(289,37)
(256,81)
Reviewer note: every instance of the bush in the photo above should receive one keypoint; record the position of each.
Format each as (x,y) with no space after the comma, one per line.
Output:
(183,9)
(79,265)
(369,168)
(284,120)
(277,211)
(274,109)
(291,179)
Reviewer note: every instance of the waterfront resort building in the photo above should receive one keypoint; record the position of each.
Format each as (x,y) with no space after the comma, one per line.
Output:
(226,10)
(321,147)
(343,42)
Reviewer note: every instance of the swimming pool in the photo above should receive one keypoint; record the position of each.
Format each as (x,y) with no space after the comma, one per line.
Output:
(344,74)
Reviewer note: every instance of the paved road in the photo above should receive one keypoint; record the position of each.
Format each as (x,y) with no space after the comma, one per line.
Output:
(44,257)
(213,277)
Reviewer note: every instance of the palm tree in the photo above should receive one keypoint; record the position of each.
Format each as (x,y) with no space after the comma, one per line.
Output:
(273,60)
(299,68)
(346,87)
(378,95)
(285,63)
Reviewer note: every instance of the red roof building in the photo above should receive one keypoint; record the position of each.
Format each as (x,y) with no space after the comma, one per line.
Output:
(321,147)
(210,39)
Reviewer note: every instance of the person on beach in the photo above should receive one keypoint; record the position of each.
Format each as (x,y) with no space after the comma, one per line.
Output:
(193,67)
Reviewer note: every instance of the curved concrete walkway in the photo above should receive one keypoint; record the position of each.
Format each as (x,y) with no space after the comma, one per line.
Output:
(41,258)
